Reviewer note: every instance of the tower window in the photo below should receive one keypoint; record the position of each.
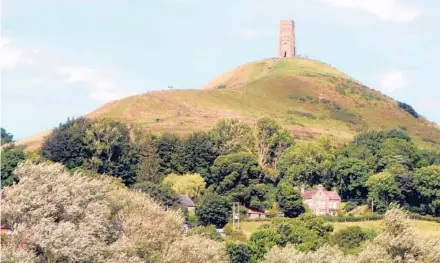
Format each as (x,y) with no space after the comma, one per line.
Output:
(285,53)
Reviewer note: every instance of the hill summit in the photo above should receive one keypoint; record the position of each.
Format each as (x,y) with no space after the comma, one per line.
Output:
(307,97)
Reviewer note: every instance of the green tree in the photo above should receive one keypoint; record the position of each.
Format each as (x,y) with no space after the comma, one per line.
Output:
(66,144)
(272,141)
(238,176)
(188,184)
(349,238)
(11,156)
(170,152)
(373,139)
(427,180)
(239,253)
(213,210)
(233,136)
(112,153)
(428,157)
(289,200)
(306,163)
(383,190)
(148,169)
(351,175)
(6,137)
(199,153)
(161,194)
(308,234)
(397,151)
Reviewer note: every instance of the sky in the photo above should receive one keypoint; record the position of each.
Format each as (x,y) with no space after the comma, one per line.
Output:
(65,58)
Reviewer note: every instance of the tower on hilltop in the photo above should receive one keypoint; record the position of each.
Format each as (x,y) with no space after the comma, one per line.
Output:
(287,45)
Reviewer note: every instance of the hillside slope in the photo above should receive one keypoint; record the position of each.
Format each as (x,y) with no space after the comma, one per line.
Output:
(307,97)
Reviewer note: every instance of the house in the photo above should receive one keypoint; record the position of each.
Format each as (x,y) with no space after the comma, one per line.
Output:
(187,203)
(253,214)
(321,201)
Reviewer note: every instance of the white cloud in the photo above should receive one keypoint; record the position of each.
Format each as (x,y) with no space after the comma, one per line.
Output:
(387,10)
(10,56)
(102,87)
(394,80)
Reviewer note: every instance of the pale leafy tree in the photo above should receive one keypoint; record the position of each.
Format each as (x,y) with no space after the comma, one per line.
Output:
(57,216)
(233,136)
(192,185)
(272,141)
(289,254)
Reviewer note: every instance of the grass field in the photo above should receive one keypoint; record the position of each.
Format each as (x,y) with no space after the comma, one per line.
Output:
(307,97)
(425,228)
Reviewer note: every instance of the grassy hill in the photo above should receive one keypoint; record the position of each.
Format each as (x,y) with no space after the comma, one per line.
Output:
(307,97)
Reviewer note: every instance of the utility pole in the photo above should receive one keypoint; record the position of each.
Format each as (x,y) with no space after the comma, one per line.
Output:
(235,215)
(372,206)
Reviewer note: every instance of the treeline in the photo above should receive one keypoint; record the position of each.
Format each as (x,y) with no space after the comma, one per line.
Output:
(259,166)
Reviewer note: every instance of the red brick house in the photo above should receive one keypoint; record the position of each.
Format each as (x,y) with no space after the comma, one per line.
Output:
(321,201)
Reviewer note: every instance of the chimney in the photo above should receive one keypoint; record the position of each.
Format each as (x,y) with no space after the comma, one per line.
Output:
(320,188)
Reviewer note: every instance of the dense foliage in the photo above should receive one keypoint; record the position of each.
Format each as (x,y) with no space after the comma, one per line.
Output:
(11,156)
(408,108)
(398,243)
(75,218)
(261,167)
(213,210)
(6,137)
(306,232)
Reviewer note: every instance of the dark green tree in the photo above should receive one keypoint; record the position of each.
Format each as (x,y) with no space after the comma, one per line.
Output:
(148,169)
(6,137)
(239,177)
(427,180)
(160,193)
(11,156)
(289,200)
(199,153)
(349,238)
(213,210)
(239,253)
(171,154)
(66,144)
(351,175)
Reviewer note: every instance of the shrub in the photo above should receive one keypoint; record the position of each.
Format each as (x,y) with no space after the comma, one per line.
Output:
(350,237)
(408,108)
(213,210)
(75,218)
(239,253)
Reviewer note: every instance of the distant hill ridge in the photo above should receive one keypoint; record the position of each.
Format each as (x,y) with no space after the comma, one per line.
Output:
(307,97)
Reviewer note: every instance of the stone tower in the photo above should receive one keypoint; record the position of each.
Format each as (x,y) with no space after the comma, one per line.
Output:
(287,45)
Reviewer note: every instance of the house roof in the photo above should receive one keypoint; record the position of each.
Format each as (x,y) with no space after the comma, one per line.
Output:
(186,201)
(250,211)
(332,195)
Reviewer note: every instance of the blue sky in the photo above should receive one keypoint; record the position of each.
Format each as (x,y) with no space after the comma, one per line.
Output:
(62,58)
